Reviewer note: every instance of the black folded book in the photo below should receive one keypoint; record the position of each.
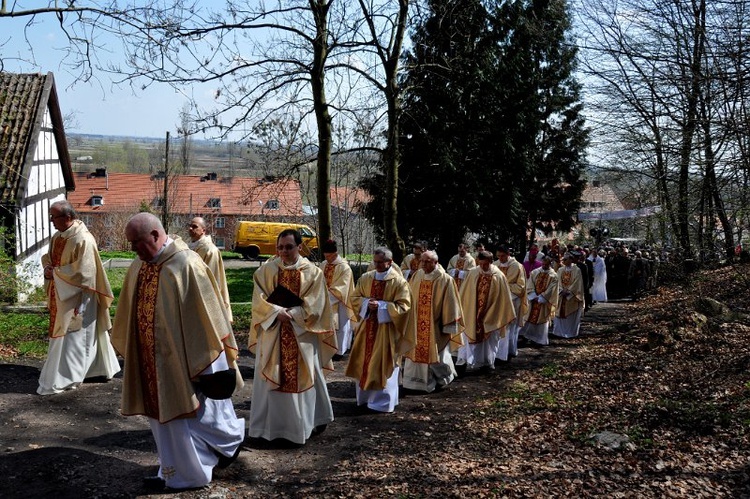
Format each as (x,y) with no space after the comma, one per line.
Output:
(284,297)
(219,385)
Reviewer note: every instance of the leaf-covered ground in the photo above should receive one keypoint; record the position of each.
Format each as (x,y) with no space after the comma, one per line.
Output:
(652,400)
(669,385)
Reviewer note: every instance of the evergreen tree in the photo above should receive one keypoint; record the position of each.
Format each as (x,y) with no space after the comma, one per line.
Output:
(493,138)
(548,133)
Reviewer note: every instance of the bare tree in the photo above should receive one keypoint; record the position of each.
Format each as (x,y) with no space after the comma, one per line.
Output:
(648,61)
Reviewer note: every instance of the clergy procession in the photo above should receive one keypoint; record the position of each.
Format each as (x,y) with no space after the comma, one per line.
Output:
(416,327)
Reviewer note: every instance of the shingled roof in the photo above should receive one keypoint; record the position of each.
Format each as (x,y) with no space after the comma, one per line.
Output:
(24,99)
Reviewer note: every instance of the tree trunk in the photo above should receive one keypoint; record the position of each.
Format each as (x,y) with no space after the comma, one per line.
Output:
(392,157)
(319,9)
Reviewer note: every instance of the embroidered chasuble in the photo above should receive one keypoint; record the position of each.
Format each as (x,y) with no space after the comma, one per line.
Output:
(459,264)
(340,283)
(77,269)
(570,279)
(371,330)
(162,361)
(486,304)
(284,351)
(55,256)
(424,319)
(542,283)
(483,293)
(413,266)
(378,347)
(148,285)
(328,271)
(516,277)
(436,306)
(290,279)
(539,288)
(211,256)
(566,278)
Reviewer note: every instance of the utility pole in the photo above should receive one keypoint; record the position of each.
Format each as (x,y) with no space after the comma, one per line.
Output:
(165,204)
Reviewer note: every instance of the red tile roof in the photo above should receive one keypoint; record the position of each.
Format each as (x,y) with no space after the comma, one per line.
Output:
(191,194)
(348,198)
(598,197)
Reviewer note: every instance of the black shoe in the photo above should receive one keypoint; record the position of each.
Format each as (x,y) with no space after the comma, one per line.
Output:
(319,429)
(225,461)
(154,483)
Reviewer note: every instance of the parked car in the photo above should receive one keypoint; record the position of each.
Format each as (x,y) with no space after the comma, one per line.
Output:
(255,239)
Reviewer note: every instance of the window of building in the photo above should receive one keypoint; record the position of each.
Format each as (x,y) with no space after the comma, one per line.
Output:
(220,243)
(97,201)
(272,204)
(220,222)
(158,202)
(214,203)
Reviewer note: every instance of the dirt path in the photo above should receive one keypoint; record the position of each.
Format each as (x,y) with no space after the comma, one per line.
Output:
(76,444)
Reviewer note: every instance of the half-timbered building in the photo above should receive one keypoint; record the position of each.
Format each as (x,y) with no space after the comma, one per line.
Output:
(35,170)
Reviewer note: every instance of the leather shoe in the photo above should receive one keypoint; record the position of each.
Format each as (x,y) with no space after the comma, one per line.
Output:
(154,483)
(225,461)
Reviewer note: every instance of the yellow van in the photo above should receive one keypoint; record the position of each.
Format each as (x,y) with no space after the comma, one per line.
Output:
(253,239)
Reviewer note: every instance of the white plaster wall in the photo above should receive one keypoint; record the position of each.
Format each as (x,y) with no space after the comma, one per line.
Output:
(30,272)
(33,184)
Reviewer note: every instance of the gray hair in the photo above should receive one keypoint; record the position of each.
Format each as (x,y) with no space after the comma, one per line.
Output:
(385,252)
(65,208)
(431,254)
(144,222)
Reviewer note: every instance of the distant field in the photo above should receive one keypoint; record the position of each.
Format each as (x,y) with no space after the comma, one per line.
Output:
(141,154)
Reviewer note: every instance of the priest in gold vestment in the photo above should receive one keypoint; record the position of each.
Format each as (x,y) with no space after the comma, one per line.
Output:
(201,243)
(293,341)
(515,274)
(383,301)
(571,301)
(461,264)
(171,327)
(541,291)
(410,264)
(79,297)
(340,283)
(436,319)
(487,311)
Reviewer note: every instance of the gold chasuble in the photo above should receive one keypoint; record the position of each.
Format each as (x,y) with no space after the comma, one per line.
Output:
(571,280)
(410,263)
(378,347)
(77,267)
(55,256)
(211,256)
(542,283)
(435,315)
(285,351)
(458,264)
(340,282)
(163,361)
(486,304)
(516,277)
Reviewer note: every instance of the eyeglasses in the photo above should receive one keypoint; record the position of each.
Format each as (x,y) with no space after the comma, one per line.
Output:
(194,226)
(288,247)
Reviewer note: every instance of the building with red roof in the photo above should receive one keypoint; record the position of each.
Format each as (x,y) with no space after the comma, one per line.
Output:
(105,201)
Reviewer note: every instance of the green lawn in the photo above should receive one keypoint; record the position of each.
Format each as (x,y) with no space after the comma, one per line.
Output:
(25,334)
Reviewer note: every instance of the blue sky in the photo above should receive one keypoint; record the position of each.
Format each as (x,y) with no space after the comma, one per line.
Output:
(100,107)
